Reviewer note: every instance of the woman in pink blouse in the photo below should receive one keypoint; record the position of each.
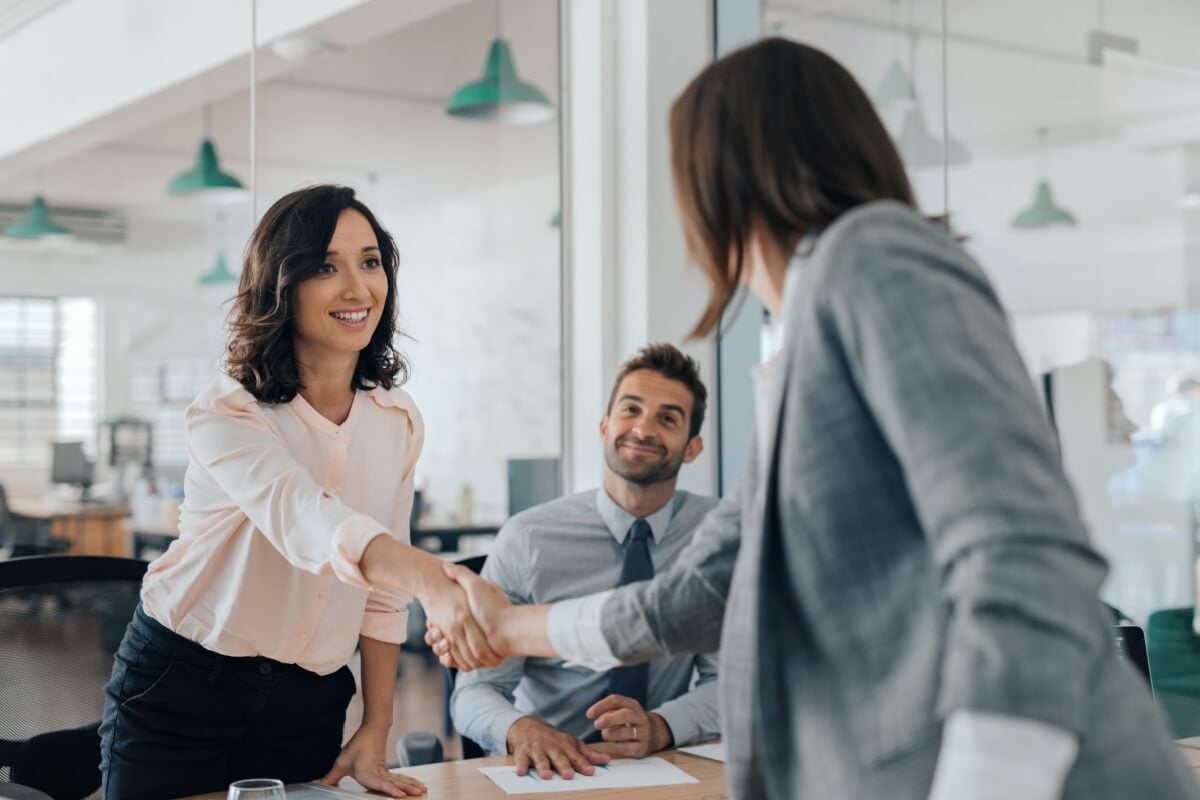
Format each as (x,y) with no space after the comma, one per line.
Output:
(293,537)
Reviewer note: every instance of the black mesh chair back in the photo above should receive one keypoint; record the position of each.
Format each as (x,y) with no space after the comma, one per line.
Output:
(61,620)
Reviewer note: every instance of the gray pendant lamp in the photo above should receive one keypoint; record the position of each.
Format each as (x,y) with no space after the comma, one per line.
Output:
(920,148)
(1043,212)
(896,85)
(499,95)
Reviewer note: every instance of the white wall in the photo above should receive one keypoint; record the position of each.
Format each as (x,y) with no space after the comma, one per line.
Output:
(628,277)
(479,295)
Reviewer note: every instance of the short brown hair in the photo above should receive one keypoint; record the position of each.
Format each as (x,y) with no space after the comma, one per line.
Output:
(777,135)
(287,248)
(668,361)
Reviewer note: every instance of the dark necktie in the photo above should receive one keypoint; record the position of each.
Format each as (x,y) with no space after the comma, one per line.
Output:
(632,681)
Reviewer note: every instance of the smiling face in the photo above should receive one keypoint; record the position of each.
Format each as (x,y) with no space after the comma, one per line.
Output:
(646,432)
(338,308)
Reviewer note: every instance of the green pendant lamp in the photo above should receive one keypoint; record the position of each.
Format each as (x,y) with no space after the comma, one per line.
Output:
(206,177)
(500,96)
(218,274)
(37,223)
(1043,212)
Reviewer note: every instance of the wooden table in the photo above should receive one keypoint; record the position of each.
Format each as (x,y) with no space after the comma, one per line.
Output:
(462,780)
(91,528)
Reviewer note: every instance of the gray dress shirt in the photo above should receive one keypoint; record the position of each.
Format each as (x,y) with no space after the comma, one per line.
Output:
(562,549)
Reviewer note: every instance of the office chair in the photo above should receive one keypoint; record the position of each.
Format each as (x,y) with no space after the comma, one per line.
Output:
(423,747)
(61,620)
(25,536)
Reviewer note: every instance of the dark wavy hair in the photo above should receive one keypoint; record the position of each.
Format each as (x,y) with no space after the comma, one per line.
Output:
(669,362)
(287,248)
(777,135)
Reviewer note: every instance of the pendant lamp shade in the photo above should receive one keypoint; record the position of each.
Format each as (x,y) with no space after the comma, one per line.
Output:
(920,148)
(500,96)
(37,223)
(1043,212)
(895,87)
(218,274)
(206,176)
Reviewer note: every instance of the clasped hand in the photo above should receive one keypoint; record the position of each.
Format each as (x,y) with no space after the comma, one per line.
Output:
(468,637)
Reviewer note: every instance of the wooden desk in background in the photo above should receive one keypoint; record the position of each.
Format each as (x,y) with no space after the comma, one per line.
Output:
(93,529)
(462,780)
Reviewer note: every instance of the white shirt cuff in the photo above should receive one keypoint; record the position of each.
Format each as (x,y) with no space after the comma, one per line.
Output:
(573,627)
(989,756)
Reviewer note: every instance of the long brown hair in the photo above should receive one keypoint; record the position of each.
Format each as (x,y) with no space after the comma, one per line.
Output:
(287,248)
(776,135)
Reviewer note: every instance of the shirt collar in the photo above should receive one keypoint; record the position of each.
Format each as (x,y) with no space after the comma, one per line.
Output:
(619,521)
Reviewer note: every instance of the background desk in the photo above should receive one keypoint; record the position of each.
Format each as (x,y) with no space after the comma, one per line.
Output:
(90,528)
(462,780)
(449,533)
(147,540)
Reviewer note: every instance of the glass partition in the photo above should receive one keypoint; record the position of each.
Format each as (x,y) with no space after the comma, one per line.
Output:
(1060,141)
(442,115)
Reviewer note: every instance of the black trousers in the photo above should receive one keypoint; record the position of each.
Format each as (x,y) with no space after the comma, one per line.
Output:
(180,719)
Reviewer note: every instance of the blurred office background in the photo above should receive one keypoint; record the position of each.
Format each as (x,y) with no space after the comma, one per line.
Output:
(539,245)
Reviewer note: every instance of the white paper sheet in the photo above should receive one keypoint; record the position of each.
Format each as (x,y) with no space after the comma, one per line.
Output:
(716,752)
(624,773)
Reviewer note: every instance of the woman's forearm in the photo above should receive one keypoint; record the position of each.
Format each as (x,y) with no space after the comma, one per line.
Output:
(524,630)
(379,662)
(391,564)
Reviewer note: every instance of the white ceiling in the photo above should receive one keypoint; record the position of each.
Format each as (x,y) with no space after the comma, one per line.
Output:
(1015,65)
(15,13)
(376,107)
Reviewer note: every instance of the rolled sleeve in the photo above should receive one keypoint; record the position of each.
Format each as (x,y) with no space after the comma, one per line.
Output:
(349,542)
(575,630)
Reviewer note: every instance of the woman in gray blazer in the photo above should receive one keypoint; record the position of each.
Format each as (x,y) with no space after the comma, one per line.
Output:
(903,593)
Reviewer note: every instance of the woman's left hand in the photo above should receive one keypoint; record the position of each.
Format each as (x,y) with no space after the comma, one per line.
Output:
(364,759)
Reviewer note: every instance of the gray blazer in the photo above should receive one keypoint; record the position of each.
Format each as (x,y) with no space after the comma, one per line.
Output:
(910,546)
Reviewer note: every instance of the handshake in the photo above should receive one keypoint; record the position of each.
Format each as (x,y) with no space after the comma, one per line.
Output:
(471,623)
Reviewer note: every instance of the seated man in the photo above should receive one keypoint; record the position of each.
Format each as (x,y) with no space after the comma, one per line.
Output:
(542,711)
